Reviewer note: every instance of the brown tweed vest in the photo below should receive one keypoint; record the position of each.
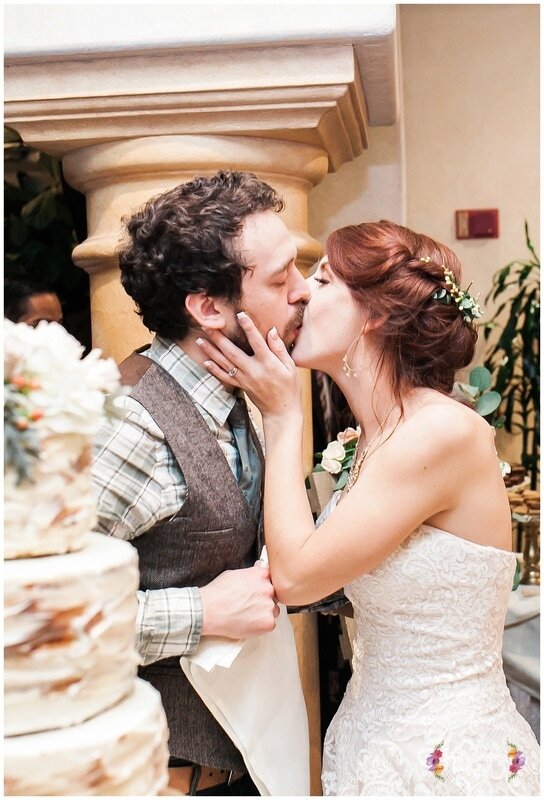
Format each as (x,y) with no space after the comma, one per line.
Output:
(214,531)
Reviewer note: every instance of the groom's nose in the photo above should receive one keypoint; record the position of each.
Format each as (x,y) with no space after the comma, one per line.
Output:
(299,291)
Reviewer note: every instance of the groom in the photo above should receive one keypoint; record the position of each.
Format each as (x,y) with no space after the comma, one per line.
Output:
(181,475)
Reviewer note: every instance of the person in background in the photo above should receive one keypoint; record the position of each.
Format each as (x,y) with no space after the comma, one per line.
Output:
(27,300)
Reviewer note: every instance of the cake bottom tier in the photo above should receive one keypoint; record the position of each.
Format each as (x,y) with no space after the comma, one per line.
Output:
(122,751)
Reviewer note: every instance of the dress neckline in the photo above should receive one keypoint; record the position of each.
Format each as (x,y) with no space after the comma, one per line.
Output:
(468,541)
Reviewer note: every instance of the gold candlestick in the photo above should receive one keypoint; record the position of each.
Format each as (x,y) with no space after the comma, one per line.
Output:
(530,547)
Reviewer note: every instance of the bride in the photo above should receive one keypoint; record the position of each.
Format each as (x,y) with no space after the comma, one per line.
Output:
(420,538)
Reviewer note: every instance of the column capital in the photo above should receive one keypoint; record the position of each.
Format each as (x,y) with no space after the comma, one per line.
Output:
(118,177)
(321,90)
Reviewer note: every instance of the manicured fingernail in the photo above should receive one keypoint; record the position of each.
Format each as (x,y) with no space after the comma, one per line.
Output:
(273,333)
(200,340)
(208,363)
(241,315)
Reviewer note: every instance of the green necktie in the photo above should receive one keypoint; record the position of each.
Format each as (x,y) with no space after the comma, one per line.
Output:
(250,464)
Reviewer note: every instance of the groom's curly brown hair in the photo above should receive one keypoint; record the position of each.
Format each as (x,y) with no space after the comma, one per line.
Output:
(181,242)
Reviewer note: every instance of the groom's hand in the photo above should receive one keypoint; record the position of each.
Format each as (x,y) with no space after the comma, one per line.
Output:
(239,603)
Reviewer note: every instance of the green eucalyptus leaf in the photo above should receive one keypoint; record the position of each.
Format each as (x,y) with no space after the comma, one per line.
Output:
(342,480)
(488,403)
(480,377)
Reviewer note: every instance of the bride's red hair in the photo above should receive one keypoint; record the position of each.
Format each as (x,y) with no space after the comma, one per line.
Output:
(423,341)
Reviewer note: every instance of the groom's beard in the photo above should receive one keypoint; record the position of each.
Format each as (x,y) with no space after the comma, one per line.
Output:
(237,336)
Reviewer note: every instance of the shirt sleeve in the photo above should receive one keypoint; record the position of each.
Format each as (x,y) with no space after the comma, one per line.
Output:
(135,485)
(168,623)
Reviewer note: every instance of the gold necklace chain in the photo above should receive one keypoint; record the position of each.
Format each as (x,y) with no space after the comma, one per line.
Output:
(358,463)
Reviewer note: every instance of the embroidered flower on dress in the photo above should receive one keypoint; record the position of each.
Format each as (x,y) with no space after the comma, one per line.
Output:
(518,759)
(433,762)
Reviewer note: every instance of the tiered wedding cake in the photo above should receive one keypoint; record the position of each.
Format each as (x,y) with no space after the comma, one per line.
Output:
(77,720)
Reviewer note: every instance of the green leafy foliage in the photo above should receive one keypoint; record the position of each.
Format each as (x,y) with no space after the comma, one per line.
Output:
(39,233)
(476,394)
(514,359)
(488,403)
(480,377)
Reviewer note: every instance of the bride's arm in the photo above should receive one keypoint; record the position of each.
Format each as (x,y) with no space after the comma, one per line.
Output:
(414,476)
(405,484)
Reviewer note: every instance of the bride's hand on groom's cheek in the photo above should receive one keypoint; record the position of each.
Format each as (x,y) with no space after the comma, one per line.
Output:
(269,377)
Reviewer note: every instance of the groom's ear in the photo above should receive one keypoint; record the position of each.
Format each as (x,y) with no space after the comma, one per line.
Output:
(207,312)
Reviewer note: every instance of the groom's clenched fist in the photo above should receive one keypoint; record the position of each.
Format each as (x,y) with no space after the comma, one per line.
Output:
(239,603)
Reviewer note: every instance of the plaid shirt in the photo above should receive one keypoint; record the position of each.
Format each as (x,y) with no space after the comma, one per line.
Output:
(137,482)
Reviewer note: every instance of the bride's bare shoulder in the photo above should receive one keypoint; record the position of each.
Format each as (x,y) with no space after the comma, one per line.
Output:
(446,423)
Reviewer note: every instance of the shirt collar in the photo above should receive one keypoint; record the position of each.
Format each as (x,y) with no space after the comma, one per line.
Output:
(204,389)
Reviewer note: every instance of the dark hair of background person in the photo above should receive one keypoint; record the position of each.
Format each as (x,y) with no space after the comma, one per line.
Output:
(18,291)
(423,342)
(182,242)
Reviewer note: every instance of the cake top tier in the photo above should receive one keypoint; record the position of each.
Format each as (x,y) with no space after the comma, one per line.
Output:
(50,390)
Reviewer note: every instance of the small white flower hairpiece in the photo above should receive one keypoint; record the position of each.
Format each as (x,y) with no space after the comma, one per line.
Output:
(452,293)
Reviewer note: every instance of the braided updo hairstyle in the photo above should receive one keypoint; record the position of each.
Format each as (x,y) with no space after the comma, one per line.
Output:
(423,342)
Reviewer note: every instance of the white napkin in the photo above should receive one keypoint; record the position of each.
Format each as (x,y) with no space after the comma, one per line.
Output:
(523,604)
(253,689)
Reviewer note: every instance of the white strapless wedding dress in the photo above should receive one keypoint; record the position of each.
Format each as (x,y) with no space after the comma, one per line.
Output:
(427,710)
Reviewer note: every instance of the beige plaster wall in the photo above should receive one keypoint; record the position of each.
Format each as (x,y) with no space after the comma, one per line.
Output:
(471,109)
(370,187)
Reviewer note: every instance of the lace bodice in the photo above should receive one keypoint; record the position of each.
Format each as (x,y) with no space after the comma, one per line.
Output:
(427,678)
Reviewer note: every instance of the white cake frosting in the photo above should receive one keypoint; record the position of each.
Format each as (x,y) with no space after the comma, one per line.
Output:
(54,512)
(68,634)
(54,402)
(120,752)
(76,719)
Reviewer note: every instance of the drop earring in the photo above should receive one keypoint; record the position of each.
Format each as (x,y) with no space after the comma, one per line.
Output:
(352,371)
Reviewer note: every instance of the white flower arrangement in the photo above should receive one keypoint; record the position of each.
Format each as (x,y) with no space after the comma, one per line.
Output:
(337,457)
(50,390)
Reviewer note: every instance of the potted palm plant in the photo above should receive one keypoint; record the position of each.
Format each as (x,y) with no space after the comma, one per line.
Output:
(514,358)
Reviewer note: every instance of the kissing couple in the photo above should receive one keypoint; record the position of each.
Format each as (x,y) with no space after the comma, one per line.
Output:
(419,539)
